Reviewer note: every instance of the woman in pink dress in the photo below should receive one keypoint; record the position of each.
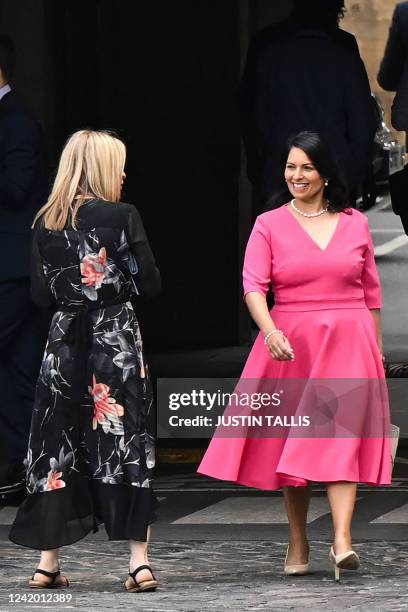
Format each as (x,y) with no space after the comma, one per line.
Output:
(317,256)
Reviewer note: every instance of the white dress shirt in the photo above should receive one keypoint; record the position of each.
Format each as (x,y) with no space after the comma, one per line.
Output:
(5,89)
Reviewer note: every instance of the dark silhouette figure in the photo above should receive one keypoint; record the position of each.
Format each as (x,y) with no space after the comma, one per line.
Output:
(23,189)
(393,73)
(393,76)
(306,74)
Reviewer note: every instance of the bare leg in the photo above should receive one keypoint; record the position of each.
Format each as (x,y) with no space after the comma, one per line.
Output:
(49,562)
(342,498)
(297,504)
(138,556)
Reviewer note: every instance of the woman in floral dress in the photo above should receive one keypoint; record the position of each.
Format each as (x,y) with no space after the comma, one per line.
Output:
(91,448)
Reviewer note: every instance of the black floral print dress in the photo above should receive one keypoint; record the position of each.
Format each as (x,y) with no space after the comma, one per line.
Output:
(91,447)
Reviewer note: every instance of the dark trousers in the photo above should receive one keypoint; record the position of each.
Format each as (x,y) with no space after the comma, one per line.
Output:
(404,221)
(22,339)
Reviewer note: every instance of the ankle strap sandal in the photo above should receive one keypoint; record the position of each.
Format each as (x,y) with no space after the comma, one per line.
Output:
(57,581)
(134,586)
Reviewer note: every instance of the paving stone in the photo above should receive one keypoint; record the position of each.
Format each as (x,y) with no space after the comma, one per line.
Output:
(217,576)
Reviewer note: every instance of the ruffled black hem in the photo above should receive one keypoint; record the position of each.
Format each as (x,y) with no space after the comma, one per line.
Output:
(52,519)
(126,511)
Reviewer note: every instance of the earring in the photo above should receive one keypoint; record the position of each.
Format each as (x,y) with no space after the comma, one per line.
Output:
(326,183)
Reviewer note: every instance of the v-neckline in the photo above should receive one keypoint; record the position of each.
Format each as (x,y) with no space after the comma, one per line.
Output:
(309,236)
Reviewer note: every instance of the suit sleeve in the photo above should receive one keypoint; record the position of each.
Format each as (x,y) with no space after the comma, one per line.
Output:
(143,267)
(20,152)
(370,278)
(40,294)
(361,120)
(392,63)
(257,269)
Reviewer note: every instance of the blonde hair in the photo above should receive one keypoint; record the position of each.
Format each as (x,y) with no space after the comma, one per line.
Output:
(91,166)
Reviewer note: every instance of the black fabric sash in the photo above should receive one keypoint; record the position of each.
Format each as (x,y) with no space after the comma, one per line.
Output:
(79,336)
(78,333)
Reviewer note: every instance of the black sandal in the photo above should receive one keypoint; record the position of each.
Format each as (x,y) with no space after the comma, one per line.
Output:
(144,585)
(57,580)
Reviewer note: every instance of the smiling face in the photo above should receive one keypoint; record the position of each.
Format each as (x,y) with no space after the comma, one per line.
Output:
(303,180)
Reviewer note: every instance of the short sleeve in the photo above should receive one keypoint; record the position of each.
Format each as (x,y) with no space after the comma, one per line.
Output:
(40,293)
(258,260)
(370,278)
(146,275)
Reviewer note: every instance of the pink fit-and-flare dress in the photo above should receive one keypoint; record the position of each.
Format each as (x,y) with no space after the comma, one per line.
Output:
(323,299)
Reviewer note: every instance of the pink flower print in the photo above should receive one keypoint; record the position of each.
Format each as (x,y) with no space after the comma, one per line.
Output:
(93,269)
(106,408)
(54,481)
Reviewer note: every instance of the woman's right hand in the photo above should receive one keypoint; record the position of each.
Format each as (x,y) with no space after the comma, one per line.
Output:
(279,347)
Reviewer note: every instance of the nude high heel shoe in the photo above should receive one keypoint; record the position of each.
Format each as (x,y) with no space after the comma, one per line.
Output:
(295,570)
(348,560)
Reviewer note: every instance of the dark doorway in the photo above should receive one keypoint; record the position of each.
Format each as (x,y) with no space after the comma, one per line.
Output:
(165,75)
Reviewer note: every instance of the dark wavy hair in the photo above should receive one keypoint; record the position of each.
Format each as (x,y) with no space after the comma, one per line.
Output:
(323,158)
(325,13)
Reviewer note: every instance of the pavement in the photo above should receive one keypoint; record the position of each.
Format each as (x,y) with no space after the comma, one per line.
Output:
(218,546)
(197,575)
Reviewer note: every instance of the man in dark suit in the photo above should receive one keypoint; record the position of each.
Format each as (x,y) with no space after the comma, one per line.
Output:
(393,76)
(306,74)
(23,189)
(390,76)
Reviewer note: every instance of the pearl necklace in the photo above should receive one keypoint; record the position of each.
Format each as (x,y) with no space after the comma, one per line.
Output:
(317,214)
